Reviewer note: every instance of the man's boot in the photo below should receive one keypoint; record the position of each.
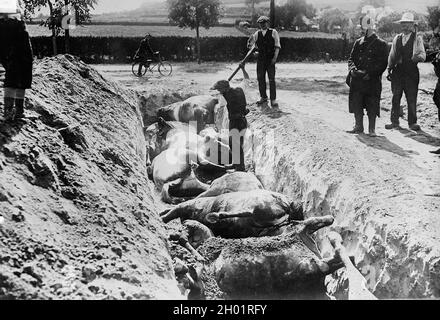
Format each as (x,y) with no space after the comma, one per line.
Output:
(414,127)
(19,109)
(372,126)
(9,108)
(359,124)
(392,125)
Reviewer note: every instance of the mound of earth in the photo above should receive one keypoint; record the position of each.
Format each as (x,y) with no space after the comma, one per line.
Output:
(78,216)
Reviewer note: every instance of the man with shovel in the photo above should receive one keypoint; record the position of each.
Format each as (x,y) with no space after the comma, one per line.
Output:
(267,41)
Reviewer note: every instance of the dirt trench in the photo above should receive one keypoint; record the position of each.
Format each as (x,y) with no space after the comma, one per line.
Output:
(382,196)
(384,207)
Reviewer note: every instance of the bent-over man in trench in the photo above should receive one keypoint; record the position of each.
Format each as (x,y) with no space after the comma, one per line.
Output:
(237,111)
(367,63)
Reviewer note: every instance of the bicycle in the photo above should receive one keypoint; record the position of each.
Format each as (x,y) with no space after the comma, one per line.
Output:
(140,67)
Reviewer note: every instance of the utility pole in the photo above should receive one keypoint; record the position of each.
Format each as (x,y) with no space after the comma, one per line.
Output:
(67,30)
(272,13)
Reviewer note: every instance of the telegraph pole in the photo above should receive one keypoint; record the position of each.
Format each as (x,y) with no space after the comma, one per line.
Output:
(272,13)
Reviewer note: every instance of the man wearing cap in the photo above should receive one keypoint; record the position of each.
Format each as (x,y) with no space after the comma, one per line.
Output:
(267,41)
(17,58)
(367,62)
(406,52)
(144,53)
(237,111)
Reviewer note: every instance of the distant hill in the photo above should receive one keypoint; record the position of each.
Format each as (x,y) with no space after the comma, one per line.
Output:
(350,5)
(397,5)
(158,12)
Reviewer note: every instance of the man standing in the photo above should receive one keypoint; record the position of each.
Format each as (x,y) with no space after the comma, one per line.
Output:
(406,52)
(267,42)
(367,62)
(435,43)
(237,111)
(17,59)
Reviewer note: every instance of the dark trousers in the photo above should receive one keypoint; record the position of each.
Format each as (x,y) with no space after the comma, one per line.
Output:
(437,97)
(404,83)
(264,67)
(365,95)
(360,100)
(237,130)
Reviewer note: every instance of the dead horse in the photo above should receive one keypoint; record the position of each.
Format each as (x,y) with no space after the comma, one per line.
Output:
(239,214)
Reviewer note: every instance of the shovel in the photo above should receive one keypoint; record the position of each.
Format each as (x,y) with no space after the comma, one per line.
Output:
(242,64)
(357,289)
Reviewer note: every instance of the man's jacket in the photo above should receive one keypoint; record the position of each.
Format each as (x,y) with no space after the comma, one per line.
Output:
(371,55)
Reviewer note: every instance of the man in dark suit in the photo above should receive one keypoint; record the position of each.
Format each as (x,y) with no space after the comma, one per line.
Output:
(435,43)
(17,58)
(367,62)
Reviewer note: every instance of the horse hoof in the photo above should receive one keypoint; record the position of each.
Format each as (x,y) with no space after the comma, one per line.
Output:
(213,217)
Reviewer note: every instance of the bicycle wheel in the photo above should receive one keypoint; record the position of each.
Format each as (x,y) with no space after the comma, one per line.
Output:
(165,68)
(139,69)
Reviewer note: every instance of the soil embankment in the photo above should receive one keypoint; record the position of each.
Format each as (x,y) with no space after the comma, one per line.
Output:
(78,216)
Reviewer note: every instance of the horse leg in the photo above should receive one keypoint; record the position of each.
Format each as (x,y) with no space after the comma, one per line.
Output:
(165,194)
(214,217)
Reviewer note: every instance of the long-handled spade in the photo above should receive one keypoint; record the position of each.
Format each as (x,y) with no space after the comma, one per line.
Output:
(357,289)
(242,64)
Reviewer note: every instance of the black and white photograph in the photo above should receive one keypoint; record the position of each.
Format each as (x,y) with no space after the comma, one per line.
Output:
(229,154)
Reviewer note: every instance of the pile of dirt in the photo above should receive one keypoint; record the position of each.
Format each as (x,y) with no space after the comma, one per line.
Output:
(78,216)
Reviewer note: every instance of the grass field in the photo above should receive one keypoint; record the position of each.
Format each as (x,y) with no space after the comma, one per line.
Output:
(138,31)
(161,31)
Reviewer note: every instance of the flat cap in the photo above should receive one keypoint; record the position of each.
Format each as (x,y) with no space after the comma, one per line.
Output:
(221,85)
(263,19)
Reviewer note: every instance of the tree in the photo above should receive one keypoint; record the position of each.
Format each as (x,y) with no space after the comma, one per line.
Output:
(194,14)
(433,17)
(293,12)
(58,14)
(387,25)
(251,5)
(331,18)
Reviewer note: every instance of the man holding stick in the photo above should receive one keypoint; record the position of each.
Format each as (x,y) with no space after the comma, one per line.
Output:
(267,42)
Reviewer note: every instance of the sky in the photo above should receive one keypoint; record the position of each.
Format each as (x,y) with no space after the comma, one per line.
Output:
(118,5)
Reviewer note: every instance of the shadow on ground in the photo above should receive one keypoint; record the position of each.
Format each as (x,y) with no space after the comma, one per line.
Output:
(334,86)
(382,143)
(421,136)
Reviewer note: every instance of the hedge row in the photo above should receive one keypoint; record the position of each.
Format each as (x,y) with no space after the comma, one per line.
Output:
(121,50)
